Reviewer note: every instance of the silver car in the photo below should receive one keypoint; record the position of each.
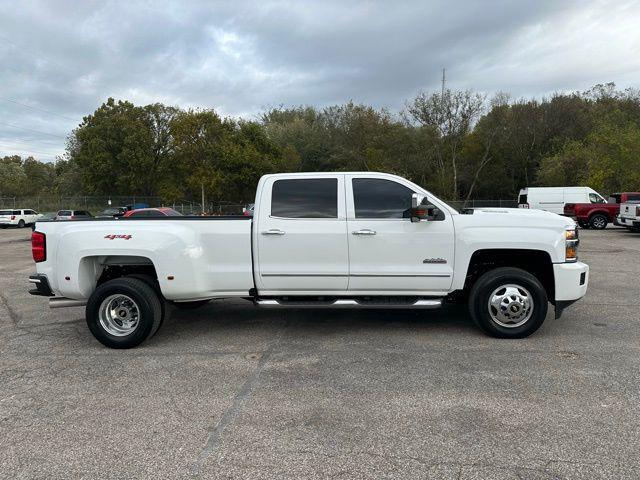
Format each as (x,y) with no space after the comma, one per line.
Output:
(72,214)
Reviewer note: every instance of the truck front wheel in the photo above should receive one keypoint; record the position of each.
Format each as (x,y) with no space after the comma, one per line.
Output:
(508,303)
(123,312)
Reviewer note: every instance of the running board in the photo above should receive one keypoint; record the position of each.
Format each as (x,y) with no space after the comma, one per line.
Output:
(424,303)
(61,302)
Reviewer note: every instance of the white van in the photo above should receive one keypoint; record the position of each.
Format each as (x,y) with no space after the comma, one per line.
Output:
(553,199)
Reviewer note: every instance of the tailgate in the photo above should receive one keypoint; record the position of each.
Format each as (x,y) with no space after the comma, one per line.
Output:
(628,210)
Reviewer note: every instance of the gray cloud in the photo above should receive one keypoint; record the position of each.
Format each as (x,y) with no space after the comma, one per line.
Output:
(63,58)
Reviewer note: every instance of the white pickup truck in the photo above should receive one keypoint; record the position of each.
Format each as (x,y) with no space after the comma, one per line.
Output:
(630,216)
(328,240)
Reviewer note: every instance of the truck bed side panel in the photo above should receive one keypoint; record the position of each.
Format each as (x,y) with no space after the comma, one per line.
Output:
(206,259)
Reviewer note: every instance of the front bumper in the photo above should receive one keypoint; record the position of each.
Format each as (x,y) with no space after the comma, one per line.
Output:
(571,280)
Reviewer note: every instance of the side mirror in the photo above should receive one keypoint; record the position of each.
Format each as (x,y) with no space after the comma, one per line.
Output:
(421,209)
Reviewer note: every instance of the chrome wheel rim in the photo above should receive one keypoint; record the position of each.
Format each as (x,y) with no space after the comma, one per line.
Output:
(119,315)
(510,305)
(598,222)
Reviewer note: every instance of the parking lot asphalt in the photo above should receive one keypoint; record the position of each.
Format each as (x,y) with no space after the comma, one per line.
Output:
(230,391)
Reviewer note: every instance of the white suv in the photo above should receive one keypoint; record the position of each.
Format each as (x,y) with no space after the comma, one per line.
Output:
(19,218)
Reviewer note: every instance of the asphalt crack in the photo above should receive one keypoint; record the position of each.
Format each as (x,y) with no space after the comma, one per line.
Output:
(239,400)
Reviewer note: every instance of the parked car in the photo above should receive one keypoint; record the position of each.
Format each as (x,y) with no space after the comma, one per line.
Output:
(153,212)
(553,199)
(44,217)
(327,240)
(598,215)
(630,215)
(73,214)
(248,210)
(20,217)
(112,212)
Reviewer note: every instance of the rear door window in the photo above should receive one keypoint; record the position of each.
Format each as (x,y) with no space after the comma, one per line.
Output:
(305,198)
(64,213)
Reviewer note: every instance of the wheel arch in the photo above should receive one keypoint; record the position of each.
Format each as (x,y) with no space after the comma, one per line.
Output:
(600,212)
(536,262)
(94,270)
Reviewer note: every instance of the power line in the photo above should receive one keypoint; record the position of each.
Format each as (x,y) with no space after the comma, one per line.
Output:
(32,130)
(37,109)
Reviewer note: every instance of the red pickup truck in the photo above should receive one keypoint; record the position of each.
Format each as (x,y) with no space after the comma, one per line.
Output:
(597,215)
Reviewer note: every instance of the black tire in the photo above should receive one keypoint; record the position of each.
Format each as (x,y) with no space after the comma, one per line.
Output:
(21,223)
(598,221)
(583,224)
(491,282)
(165,306)
(146,300)
(191,305)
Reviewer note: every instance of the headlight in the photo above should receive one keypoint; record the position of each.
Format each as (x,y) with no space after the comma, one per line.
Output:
(571,245)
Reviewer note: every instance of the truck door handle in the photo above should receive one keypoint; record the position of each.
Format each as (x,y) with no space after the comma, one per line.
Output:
(364,231)
(273,231)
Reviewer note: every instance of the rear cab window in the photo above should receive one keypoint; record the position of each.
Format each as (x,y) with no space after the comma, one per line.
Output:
(305,198)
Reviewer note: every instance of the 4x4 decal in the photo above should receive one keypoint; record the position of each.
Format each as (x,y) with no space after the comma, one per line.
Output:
(113,237)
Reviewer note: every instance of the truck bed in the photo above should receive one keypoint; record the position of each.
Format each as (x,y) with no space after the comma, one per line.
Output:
(193,257)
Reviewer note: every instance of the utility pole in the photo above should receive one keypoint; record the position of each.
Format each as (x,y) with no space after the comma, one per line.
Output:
(202,191)
(443,80)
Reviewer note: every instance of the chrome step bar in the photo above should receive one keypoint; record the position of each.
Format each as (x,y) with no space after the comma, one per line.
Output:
(61,302)
(424,303)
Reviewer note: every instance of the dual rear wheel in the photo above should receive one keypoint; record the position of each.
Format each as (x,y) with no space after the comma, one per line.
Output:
(125,311)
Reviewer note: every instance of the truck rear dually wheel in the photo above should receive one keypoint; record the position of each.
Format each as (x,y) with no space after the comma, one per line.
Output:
(508,303)
(123,312)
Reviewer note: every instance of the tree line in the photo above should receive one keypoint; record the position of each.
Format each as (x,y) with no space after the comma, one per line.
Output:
(459,144)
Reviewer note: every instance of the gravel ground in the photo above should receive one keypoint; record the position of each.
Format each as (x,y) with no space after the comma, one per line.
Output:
(229,391)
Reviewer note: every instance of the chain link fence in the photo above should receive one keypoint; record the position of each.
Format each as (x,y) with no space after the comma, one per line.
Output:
(96,204)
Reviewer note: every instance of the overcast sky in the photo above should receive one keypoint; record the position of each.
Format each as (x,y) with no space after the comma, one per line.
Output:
(59,60)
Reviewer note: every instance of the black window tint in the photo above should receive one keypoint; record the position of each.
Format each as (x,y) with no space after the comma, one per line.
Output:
(64,213)
(378,198)
(5,212)
(522,199)
(17,212)
(633,197)
(305,198)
